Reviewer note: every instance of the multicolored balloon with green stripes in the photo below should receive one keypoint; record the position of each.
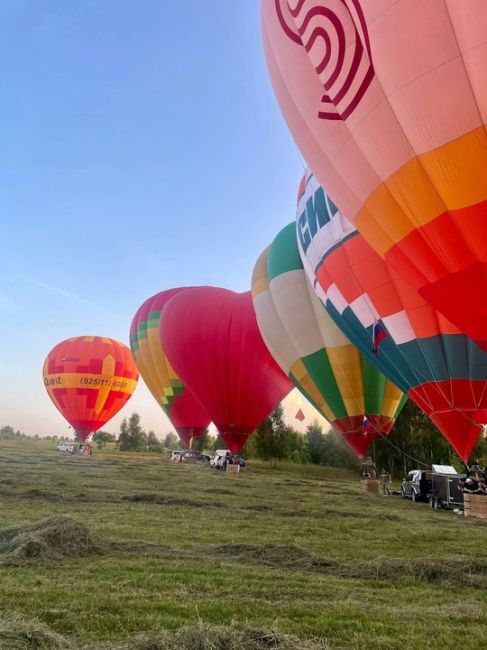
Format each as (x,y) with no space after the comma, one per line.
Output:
(440,369)
(345,387)
(185,412)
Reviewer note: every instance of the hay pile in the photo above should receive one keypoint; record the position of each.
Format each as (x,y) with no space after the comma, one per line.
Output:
(16,633)
(438,570)
(166,500)
(205,637)
(279,556)
(49,539)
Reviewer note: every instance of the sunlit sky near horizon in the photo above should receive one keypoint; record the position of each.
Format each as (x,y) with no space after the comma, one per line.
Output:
(142,148)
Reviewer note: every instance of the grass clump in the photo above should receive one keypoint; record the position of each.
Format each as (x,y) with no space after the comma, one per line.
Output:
(49,539)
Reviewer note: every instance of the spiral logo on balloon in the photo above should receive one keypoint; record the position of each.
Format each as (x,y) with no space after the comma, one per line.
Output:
(334,34)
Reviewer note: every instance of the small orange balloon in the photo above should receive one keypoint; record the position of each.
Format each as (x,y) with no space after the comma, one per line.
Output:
(89,379)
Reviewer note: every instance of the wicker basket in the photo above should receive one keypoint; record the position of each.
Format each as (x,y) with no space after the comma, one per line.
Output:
(475,505)
(370,485)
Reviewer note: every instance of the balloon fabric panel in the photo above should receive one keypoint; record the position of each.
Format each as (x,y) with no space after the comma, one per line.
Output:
(184,411)
(440,368)
(213,342)
(319,359)
(388,104)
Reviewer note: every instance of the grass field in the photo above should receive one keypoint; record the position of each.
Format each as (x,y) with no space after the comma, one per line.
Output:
(295,550)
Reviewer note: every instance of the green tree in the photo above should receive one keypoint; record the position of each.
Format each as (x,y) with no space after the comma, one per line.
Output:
(132,437)
(273,439)
(171,441)
(7,432)
(336,453)
(314,435)
(100,438)
(200,443)
(153,443)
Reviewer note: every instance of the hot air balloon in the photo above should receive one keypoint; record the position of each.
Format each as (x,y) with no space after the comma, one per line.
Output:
(184,411)
(331,373)
(211,338)
(387,102)
(440,368)
(89,379)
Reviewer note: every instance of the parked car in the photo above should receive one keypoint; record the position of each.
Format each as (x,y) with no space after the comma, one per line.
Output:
(417,485)
(65,446)
(218,460)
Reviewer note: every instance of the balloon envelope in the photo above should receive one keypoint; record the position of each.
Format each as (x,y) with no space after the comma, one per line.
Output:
(322,363)
(89,379)
(184,411)
(211,337)
(388,103)
(440,368)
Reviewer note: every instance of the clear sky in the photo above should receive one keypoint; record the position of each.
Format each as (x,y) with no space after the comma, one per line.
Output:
(141,148)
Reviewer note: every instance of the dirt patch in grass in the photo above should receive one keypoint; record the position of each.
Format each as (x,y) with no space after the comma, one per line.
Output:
(165,500)
(16,633)
(343,513)
(138,547)
(220,491)
(49,539)
(257,507)
(292,513)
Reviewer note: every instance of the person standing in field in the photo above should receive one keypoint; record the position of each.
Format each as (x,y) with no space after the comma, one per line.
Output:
(385,479)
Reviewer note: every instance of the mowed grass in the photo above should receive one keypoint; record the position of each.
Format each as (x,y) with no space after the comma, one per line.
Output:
(298,550)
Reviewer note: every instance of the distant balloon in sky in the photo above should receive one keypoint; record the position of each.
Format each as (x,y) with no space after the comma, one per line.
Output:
(211,338)
(440,368)
(387,101)
(345,387)
(173,396)
(89,379)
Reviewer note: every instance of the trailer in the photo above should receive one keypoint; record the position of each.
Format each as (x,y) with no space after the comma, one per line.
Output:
(446,487)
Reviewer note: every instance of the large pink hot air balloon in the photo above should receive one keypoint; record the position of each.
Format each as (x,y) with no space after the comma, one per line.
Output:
(212,340)
(387,101)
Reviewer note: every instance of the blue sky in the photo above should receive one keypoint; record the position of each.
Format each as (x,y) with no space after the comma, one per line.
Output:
(141,148)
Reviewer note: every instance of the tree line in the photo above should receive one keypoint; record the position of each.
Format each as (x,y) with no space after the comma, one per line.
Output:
(414,442)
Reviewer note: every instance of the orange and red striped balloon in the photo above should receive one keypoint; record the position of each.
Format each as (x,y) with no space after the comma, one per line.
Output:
(89,379)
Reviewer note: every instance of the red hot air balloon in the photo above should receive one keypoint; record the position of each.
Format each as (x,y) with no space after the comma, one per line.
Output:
(89,379)
(183,410)
(212,340)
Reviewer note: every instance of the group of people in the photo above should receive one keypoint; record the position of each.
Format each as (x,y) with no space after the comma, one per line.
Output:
(474,483)
(369,471)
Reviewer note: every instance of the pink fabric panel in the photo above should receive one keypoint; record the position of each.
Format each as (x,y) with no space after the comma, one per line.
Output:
(420,69)
(469,20)
(310,148)
(475,64)
(408,40)
(438,107)
(382,139)
(375,8)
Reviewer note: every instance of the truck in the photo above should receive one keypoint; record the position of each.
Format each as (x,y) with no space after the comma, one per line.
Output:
(441,486)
